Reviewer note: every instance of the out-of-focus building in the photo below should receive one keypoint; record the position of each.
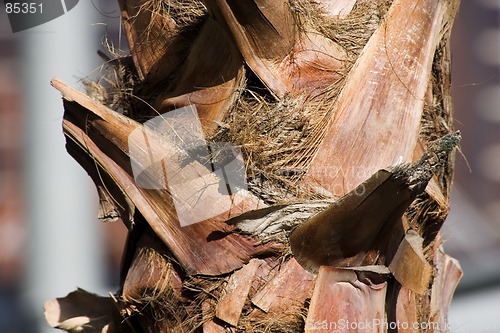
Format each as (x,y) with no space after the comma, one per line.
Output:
(16,234)
(472,231)
(12,227)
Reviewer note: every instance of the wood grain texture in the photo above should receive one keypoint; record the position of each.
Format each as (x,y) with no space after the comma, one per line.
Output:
(339,298)
(230,305)
(378,113)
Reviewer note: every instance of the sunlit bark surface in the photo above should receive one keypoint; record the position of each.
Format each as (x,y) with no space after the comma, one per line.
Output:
(339,116)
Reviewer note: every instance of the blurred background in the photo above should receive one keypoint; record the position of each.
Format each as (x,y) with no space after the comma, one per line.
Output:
(50,239)
(54,239)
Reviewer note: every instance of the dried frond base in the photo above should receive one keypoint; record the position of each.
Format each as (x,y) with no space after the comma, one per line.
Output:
(318,103)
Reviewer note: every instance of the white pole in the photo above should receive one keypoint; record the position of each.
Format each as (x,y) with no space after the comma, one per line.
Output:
(64,244)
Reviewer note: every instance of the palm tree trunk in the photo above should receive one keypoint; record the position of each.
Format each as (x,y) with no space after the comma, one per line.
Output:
(282,166)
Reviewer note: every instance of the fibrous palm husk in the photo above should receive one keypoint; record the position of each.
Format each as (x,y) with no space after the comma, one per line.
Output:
(342,112)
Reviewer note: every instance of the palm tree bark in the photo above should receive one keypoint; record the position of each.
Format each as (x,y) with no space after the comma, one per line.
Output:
(342,113)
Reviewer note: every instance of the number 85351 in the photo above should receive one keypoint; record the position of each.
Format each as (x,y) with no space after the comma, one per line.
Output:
(23,8)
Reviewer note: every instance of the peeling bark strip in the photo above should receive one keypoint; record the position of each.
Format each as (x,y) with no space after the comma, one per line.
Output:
(341,302)
(409,265)
(378,113)
(289,287)
(235,294)
(342,112)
